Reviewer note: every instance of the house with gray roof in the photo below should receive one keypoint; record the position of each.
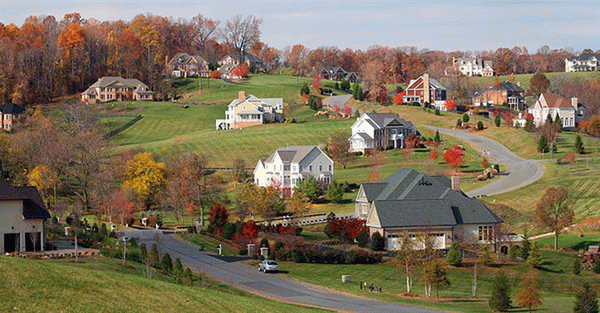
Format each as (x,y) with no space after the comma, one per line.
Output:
(10,114)
(426,90)
(415,203)
(114,88)
(585,62)
(336,73)
(473,66)
(22,215)
(287,166)
(502,93)
(380,131)
(250,110)
(185,65)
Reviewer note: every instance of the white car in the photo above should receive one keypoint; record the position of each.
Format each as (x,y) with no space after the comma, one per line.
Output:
(268,266)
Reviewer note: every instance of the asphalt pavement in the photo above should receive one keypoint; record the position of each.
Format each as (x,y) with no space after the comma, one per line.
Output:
(519,171)
(273,286)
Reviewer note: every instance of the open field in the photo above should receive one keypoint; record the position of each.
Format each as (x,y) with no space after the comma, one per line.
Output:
(555,279)
(102,285)
(571,240)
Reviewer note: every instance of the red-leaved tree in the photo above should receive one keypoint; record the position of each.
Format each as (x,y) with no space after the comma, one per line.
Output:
(347,110)
(412,141)
(496,112)
(508,119)
(241,70)
(250,230)
(450,105)
(215,74)
(345,230)
(336,108)
(398,99)
(316,82)
(218,217)
(454,157)
(433,154)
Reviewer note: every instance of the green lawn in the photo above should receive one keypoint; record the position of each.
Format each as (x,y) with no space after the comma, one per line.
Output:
(572,240)
(101,285)
(556,281)
(210,244)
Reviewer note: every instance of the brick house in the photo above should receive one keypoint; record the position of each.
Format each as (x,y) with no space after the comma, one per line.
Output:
(185,65)
(501,94)
(113,88)
(426,89)
(10,114)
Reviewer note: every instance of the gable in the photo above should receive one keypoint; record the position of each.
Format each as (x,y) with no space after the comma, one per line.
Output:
(373,218)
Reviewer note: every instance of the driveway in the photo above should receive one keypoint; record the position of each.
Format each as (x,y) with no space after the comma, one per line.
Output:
(340,100)
(274,286)
(519,172)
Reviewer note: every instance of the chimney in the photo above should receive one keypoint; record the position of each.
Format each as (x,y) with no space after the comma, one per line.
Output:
(574,103)
(426,91)
(241,95)
(455,182)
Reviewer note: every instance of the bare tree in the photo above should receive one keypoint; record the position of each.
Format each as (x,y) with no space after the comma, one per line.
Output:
(242,33)
(203,28)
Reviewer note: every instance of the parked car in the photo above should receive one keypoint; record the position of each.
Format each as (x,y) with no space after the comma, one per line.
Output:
(268,266)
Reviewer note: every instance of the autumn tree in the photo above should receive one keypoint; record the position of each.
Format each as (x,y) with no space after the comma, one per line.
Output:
(44,179)
(571,158)
(241,70)
(554,211)
(529,294)
(295,57)
(238,172)
(253,200)
(250,230)
(241,33)
(450,105)
(433,154)
(339,145)
(202,29)
(435,275)
(399,98)
(454,157)
(316,83)
(145,177)
(180,194)
(298,205)
(407,258)
(120,206)
(538,84)
(218,217)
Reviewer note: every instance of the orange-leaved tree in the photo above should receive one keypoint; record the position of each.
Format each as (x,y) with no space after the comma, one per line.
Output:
(450,105)
(529,294)
(454,157)
(554,211)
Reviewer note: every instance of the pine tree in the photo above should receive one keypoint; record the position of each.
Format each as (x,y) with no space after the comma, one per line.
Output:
(500,300)
(497,120)
(377,242)
(166,263)
(586,300)
(529,294)
(579,148)
(485,257)
(542,144)
(154,257)
(143,252)
(437,137)
(480,125)
(362,238)
(525,246)
(465,118)
(178,267)
(596,268)
(187,278)
(454,256)
(535,258)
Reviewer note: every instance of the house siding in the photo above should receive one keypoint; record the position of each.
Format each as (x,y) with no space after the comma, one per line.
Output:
(12,222)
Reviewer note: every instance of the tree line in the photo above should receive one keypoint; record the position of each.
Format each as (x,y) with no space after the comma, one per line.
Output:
(46,58)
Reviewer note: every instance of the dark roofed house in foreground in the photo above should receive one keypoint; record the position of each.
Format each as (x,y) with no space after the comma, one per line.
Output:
(22,215)
(412,202)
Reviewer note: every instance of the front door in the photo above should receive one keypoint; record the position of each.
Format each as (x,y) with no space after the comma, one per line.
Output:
(11,242)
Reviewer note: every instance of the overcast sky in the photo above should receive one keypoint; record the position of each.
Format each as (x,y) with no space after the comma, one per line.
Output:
(435,25)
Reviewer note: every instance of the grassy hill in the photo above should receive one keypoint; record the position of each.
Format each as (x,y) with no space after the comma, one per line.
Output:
(100,285)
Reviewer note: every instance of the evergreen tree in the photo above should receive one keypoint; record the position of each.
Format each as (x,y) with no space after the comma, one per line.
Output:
(535,258)
(500,300)
(586,300)
(525,246)
(154,257)
(458,122)
(187,277)
(309,187)
(304,90)
(480,125)
(485,257)
(514,251)
(579,148)
(454,256)
(166,263)
(596,268)
(335,192)
(362,238)
(377,242)
(465,118)
(143,252)
(558,122)
(178,267)
(549,119)
(497,120)
(542,144)
(437,137)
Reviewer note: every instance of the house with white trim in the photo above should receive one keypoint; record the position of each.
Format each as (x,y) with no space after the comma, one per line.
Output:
(425,89)
(473,66)
(380,131)
(249,111)
(287,166)
(585,62)
(570,111)
(113,88)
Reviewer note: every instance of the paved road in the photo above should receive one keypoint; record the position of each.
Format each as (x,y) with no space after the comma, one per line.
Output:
(519,172)
(332,101)
(274,286)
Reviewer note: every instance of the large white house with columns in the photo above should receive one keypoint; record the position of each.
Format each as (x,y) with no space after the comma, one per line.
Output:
(22,215)
(289,165)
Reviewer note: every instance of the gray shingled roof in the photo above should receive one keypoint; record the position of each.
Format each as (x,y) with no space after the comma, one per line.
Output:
(408,198)
(33,205)
(584,57)
(11,108)
(291,154)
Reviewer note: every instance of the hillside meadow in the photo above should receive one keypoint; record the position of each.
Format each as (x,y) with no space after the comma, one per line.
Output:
(102,285)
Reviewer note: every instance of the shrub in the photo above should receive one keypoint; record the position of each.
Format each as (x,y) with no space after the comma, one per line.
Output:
(454,256)
(143,252)
(586,299)
(191,229)
(500,300)
(363,257)
(479,125)
(166,263)
(514,251)
(497,120)
(485,257)
(363,238)
(187,277)
(458,122)
(154,257)
(228,230)
(178,267)
(465,118)
(596,268)
(264,243)
(377,242)
(279,244)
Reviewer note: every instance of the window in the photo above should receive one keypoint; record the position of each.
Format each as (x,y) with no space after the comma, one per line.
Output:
(320,168)
(330,168)
(286,167)
(310,168)
(485,232)
(300,168)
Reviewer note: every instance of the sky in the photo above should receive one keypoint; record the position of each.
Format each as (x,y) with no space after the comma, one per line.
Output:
(433,25)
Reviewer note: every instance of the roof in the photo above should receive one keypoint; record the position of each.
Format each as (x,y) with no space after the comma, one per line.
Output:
(584,57)
(408,198)
(106,81)
(292,154)
(556,101)
(33,205)
(11,108)
(503,85)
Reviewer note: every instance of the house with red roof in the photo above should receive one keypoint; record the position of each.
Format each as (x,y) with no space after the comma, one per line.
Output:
(570,111)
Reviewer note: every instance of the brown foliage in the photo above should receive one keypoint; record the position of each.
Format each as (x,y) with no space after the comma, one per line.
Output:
(554,211)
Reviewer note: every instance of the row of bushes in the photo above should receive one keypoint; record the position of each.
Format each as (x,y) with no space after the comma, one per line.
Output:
(311,254)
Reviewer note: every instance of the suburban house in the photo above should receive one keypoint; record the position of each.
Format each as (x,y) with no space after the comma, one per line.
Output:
(22,215)
(337,74)
(569,110)
(10,115)
(249,111)
(230,61)
(473,66)
(185,65)
(113,88)
(502,93)
(415,203)
(585,62)
(425,89)
(289,165)
(380,131)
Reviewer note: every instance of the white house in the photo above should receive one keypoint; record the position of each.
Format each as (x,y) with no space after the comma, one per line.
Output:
(473,66)
(585,62)
(380,131)
(249,111)
(289,165)
(569,110)
(22,215)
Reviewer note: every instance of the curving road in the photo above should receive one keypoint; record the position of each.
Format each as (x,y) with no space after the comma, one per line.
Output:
(273,286)
(519,171)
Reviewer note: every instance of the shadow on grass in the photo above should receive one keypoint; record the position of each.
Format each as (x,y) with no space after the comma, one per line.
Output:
(585,245)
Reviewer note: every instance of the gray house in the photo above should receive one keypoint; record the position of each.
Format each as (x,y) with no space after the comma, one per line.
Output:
(412,202)
(380,131)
